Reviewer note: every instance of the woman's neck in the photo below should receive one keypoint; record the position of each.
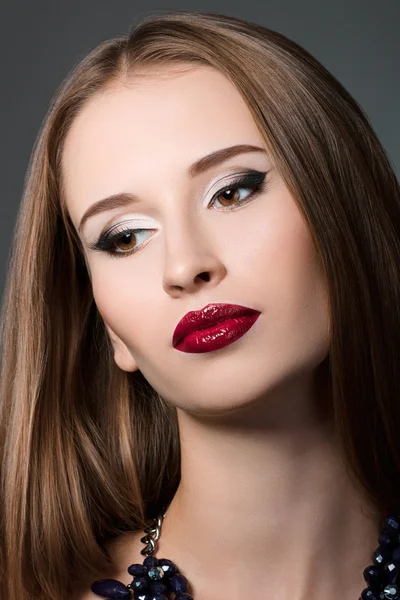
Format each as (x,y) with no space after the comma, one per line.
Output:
(265,508)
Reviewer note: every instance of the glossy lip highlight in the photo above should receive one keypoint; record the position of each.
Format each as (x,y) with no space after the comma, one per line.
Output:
(210,315)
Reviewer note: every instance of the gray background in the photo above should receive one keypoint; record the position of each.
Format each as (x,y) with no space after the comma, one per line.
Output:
(40,41)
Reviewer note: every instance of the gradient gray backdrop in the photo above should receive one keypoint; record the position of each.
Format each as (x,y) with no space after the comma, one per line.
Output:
(357,40)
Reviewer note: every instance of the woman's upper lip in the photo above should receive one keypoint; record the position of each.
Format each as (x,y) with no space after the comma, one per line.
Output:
(208,316)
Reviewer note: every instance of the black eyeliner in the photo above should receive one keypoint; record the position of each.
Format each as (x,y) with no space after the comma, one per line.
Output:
(250,179)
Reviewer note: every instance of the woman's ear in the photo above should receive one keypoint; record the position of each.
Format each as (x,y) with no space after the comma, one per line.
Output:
(122,355)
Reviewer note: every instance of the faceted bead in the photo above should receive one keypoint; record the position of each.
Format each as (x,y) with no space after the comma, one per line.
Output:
(141,596)
(156,573)
(179,583)
(388,538)
(157,597)
(368,594)
(392,523)
(381,556)
(396,555)
(150,561)
(373,576)
(391,591)
(184,596)
(111,588)
(137,570)
(168,566)
(391,572)
(140,584)
(158,587)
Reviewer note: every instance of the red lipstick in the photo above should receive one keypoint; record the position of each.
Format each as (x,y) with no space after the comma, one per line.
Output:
(213,327)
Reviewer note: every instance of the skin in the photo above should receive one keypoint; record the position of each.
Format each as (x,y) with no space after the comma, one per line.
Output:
(264,503)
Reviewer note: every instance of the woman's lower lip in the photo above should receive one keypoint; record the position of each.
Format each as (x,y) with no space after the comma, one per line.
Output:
(218,336)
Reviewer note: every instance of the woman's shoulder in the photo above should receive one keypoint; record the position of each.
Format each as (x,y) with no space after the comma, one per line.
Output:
(123,550)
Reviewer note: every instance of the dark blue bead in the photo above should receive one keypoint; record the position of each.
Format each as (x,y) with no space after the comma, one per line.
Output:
(111,588)
(381,556)
(183,596)
(157,597)
(150,561)
(396,555)
(141,596)
(179,583)
(388,539)
(391,572)
(168,566)
(373,576)
(157,587)
(368,594)
(395,535)
(137,570)
(140,584)
(392,523)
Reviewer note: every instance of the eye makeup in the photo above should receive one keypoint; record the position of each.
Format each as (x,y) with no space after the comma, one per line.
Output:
(250,180)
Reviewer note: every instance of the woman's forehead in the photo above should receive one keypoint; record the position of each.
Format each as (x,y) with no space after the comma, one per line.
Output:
(153,128)
(161,110)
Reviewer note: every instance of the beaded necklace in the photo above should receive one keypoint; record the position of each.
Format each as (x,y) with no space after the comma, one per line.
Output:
(160,579)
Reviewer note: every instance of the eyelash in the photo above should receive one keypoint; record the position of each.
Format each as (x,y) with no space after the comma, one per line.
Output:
(253,180)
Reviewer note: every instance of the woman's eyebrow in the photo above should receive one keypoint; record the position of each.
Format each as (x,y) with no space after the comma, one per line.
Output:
(201,165)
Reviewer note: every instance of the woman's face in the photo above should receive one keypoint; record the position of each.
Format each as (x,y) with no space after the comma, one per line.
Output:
(141,139)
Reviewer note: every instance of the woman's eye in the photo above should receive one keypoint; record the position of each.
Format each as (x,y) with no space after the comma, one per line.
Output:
(254,181)
(126,240)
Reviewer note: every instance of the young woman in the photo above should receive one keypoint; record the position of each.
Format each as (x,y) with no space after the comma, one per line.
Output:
(201,326)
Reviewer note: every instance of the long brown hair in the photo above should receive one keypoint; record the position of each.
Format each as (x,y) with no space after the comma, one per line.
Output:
(89,450)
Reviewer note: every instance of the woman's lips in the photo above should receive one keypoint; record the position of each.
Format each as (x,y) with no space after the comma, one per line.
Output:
(214,326)
(219,336)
